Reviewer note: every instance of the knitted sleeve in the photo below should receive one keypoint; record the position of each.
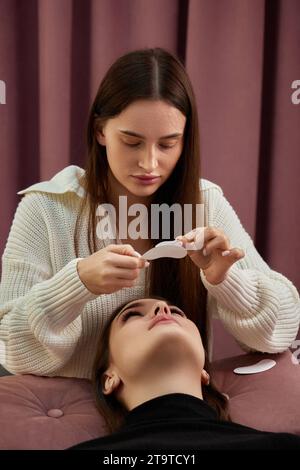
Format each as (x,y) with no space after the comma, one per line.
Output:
(40,321)
(258,306)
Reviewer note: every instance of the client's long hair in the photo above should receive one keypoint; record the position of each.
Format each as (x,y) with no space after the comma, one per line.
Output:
(112,410)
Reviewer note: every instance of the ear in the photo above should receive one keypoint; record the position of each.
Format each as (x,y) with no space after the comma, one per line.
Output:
(205,379)
(101,139)
(111,382)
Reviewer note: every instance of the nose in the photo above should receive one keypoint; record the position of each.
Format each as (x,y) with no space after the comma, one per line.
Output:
(149,163)
(161,308)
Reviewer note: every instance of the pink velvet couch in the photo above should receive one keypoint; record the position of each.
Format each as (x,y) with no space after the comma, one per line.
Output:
(56,413)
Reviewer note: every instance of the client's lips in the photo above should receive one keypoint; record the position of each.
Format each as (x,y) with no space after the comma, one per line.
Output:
(163,318)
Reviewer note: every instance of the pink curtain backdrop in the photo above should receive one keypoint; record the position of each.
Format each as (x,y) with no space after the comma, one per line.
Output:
(242,57)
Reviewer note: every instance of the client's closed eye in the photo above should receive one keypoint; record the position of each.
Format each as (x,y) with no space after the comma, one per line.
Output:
(131,313)
(179,312)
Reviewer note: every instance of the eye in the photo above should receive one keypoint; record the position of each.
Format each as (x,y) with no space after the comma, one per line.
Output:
(132,145)
(161,145)
(167,146)
(179,312)
(131,313)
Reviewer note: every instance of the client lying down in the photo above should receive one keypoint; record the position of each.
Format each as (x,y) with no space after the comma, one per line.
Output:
(152,384)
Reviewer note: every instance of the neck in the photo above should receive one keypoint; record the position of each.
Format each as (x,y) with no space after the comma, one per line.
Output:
(181,382)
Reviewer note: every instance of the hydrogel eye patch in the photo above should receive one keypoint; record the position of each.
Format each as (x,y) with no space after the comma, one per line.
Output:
(169,249)
(261,366)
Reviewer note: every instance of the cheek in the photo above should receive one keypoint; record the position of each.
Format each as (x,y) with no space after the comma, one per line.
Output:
(172,159)
(113,149)
(118,158)
(121,345)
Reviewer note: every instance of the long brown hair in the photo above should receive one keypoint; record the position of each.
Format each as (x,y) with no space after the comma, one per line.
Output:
(112,410)
(153,74)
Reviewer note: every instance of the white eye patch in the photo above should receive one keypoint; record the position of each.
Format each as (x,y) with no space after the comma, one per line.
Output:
(169,249)
(260,366)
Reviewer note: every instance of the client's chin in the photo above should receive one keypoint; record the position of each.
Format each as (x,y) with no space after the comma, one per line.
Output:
(171,344)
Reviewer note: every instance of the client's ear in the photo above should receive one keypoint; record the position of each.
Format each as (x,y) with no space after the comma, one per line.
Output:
(205,377)
(101,139)
(111,382)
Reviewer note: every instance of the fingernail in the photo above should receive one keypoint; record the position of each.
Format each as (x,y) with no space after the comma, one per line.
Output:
(136,254)
(225,253)
(147,264)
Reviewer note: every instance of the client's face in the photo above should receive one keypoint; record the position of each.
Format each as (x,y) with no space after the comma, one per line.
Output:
(149,334)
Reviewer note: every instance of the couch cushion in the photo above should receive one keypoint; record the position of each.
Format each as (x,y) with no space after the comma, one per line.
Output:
(57,413)
(268,400)
(47,412)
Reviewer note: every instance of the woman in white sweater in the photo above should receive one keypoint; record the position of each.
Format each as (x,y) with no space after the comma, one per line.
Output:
(62,278)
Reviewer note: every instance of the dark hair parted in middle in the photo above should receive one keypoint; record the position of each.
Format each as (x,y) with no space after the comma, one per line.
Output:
(151,74)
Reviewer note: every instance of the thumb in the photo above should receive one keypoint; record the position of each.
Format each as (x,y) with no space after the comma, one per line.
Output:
(129,251)
(124,250)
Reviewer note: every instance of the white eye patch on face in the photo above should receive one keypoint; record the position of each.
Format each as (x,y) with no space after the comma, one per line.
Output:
(170,249)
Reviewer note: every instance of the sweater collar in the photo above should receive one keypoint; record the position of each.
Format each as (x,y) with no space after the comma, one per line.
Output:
(170,407)
(65,180)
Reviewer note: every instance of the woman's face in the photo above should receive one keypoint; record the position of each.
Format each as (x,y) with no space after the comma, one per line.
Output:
(149,333)
(150,152)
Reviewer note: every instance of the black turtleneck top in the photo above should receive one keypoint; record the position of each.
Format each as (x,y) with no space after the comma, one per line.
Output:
(181,421)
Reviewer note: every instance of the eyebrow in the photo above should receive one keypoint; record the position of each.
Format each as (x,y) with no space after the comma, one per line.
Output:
(135,134)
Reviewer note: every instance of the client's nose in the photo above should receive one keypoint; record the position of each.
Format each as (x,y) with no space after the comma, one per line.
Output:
(162,309)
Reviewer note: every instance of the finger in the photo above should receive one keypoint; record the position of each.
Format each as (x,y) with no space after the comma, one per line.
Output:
(220,242)
(189,236)
(200,236)
(123,249)
(194,239)
(211,232)
(234,254)
(127,274)
(198,240)
(131,261)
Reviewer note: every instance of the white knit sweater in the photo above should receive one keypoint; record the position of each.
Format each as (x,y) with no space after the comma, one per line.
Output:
(49,321)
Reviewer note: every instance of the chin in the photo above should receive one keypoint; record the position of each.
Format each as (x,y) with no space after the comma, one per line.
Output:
(143,191)
(174,349)
(136,189)
(171,333)
(174,335)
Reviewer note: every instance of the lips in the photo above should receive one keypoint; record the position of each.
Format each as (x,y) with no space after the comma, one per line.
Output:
(146,178)
(162,318)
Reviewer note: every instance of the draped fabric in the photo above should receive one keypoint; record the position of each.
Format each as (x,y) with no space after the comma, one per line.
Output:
(243,58)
